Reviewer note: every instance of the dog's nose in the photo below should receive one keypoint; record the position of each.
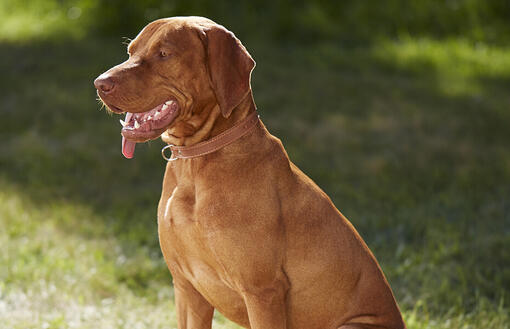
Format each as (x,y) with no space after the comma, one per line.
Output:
(104,84)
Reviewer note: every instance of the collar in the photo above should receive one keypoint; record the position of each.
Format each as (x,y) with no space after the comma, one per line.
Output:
(217,142)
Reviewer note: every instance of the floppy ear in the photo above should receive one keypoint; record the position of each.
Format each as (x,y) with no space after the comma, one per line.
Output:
(229,65)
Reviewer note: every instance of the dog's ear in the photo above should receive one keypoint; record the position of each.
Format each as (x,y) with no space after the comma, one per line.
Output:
(229,65)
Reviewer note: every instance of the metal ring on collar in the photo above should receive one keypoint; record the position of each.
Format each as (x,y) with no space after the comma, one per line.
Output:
(171,158)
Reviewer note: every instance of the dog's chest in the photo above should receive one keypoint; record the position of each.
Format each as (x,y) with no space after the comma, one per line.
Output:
(185,248)
(181,236)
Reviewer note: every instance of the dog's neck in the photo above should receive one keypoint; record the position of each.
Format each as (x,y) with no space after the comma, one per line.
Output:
(186,171)
(207,123)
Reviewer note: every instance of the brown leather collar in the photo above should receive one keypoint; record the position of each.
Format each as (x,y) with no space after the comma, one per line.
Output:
(213,144)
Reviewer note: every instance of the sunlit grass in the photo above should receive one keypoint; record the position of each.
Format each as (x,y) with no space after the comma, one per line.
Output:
(28,20)
(460,67)
(55,278)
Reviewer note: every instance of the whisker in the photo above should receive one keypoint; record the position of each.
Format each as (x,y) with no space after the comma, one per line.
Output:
(104,106)
(126,41)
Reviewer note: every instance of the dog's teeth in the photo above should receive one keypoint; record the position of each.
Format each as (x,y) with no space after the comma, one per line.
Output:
(137,125)
(149,118)
(164,107)
(169,102)
(156,114)
(122,123)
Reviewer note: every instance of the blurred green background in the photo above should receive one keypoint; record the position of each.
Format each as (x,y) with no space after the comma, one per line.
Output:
(398,109)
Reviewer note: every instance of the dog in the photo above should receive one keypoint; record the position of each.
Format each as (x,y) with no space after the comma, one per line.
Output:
(241,228)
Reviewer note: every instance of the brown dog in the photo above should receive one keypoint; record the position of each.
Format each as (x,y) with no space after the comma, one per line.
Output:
(241,228)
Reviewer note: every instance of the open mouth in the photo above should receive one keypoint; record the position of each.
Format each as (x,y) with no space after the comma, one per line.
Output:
(143,126)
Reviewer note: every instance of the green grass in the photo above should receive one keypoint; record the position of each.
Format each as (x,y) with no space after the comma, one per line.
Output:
(410,138)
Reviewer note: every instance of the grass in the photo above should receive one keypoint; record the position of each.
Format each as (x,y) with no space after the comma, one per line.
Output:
(409,137)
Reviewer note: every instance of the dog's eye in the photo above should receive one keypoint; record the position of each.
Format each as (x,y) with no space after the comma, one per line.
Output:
(163,53)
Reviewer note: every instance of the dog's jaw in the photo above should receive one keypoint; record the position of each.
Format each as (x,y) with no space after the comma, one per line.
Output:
(144,126)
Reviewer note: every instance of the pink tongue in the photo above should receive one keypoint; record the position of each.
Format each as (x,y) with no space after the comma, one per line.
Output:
(128,148)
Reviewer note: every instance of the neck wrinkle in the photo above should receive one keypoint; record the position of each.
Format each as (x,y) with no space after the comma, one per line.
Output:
(214,124)
(245,108)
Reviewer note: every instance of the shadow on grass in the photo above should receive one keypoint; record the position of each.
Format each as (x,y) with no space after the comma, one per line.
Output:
(58,144)
(421,171)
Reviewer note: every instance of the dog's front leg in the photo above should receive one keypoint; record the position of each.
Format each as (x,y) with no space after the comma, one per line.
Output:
(266,307)
(193,311)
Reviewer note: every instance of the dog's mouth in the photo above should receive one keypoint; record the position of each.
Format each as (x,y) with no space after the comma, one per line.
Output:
(143,126)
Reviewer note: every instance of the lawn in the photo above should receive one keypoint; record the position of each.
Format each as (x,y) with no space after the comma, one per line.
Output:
(410,137)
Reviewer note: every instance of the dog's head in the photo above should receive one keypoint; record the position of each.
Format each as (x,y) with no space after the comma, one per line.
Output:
(177,71)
